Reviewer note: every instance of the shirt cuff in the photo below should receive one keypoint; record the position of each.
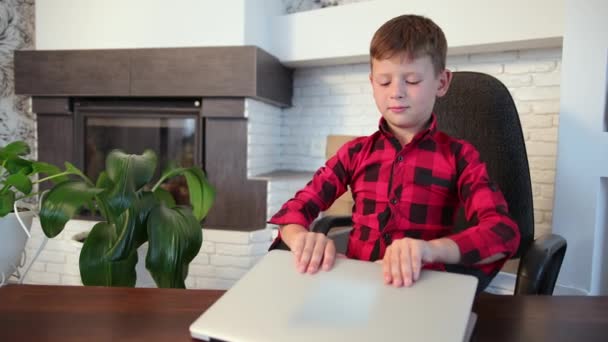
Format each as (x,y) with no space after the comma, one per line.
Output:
(473,248)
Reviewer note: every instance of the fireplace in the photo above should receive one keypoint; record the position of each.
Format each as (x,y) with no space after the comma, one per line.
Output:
(171,128)
(187,104)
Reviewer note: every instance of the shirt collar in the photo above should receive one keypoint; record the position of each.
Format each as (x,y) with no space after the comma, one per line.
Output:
(430,130)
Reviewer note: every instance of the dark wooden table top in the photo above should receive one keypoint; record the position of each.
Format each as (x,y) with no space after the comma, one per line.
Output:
(64,313)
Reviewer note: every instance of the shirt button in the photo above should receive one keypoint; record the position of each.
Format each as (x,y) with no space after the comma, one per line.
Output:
(394,201)
(400,158)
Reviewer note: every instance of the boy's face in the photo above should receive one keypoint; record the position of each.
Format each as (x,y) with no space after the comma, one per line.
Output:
(405,91)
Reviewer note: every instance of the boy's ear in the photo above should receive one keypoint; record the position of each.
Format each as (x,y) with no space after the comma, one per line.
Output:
(444,82)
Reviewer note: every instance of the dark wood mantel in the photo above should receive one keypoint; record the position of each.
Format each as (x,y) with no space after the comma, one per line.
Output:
(235,71)
(221,77)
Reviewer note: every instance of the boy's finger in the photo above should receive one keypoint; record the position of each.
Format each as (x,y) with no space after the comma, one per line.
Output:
(416,257)
(330,255)
(317,255)
(386,267)
(297,248)
(309,244)
(396,268)
(406,264)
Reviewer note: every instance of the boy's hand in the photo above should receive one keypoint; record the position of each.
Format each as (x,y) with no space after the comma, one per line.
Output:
(312,251)
(403,260)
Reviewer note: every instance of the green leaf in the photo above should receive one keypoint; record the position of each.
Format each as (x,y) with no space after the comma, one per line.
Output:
(125,168)
(202,194)
(17,165)
(96,269)
(165,196)
(129,173)
(21,182)
(174,239)
(132,226)
(104,182)
(74,170)
(17,148)
(6,203)
(172,172)
(63,202)
(90,205)
(49,170)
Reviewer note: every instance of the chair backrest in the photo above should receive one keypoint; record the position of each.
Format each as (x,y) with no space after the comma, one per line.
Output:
(480,109)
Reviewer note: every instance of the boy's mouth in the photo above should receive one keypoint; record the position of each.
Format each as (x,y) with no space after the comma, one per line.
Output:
(398,109)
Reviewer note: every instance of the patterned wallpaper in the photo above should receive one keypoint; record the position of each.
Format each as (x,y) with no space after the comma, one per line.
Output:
(293,6)
(16,33)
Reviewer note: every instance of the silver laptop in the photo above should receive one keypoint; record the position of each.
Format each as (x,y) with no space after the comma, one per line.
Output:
(273,302)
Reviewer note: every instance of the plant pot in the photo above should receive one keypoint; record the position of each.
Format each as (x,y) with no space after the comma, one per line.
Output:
(12,242)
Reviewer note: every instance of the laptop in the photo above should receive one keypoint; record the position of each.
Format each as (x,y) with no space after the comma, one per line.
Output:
(274,302)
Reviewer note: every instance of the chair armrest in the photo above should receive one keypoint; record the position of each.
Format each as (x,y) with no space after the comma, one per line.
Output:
(540,265)
(325,224)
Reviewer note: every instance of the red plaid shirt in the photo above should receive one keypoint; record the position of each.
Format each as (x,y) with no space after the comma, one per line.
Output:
(411,191)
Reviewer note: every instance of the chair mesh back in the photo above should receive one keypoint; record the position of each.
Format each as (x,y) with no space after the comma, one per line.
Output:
(479,109)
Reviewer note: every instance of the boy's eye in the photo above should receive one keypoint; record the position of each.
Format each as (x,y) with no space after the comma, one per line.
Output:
(412,82)
(384,84)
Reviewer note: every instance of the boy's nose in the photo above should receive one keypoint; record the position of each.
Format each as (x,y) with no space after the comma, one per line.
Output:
(398,90)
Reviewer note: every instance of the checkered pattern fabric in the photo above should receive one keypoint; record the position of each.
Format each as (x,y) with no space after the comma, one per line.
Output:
(411,191)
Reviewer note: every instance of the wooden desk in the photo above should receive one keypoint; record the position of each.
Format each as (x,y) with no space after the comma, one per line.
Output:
(62,313)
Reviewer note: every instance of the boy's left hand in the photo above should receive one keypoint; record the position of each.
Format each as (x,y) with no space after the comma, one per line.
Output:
(403,260)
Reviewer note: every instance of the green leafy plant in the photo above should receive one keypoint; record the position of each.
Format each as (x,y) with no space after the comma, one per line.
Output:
(18,175)
(134,211)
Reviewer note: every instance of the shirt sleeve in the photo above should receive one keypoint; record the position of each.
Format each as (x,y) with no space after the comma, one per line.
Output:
(328,183)
(495,232)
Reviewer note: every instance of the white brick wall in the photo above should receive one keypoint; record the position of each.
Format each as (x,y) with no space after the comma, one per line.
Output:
(263,137)
(281,189)
(58,262)
(338,100)
(224,257)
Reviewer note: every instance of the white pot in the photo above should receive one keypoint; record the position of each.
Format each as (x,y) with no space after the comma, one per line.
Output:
(144,279)
(12,242)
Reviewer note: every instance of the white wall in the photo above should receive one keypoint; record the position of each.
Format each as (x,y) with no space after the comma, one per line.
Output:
(258,27)
(263,137)
(111,24)
(583,147)
(343,33)
(335,34)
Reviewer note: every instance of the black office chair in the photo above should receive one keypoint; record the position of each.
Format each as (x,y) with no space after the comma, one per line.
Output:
(480,109)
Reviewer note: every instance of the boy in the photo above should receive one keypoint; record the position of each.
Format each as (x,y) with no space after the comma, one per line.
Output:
(407,179)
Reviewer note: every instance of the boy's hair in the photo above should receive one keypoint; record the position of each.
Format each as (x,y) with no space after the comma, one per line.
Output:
(413,35)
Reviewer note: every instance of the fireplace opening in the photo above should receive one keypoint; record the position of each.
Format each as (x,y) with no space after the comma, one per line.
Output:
(171,127)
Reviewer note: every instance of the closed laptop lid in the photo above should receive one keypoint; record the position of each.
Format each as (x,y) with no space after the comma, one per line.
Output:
(274,302)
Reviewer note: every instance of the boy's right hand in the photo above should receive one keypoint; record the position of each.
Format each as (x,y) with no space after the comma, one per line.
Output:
(312,251)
